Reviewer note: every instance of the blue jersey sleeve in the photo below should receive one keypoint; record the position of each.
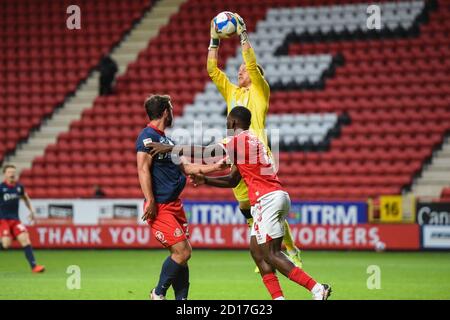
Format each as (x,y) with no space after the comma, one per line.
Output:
(145,137)
(22,190)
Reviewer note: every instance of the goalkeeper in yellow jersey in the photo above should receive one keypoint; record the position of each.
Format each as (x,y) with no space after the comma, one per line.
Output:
(252,92)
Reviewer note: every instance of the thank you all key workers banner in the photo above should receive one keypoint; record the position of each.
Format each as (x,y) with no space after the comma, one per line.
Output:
(358,237)
(115,223)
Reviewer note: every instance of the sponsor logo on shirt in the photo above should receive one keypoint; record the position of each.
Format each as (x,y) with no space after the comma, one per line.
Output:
(160,237)
(147,141)
(10,196)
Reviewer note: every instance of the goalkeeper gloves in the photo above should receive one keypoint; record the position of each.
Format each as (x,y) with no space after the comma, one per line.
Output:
(241,29)
(215,41)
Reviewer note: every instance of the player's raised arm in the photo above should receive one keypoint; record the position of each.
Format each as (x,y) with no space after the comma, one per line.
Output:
(229,181)
(217,76)
(144,162)
(248,54)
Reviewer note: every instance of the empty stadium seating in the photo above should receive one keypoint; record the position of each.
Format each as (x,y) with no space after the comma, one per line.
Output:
(393,86)
(445,194)
(42,62)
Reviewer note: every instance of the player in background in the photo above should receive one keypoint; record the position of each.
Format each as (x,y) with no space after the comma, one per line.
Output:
(252,92)
(11,228)
(270,205)
(162,180)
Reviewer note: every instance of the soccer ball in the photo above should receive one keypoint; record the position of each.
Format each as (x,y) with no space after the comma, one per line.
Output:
(225,24)
(380,246)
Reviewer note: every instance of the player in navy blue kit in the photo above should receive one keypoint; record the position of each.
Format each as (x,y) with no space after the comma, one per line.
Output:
(11,228)
(162,179)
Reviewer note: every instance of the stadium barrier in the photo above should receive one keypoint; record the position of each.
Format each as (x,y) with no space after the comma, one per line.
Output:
(128,211)
(115,223)
(392,208)
(354,237)
(434,219)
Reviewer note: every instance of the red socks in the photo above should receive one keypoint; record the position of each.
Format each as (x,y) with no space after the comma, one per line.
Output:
(273,286)
(297,275)
(302,278)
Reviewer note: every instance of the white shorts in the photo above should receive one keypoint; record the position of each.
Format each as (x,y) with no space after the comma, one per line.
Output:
(269,214)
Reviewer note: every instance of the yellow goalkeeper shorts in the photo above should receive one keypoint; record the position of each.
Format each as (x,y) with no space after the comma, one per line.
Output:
(241,192)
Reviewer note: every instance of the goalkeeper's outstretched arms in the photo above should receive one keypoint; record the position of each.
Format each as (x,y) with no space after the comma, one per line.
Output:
(217,76)
(255,71)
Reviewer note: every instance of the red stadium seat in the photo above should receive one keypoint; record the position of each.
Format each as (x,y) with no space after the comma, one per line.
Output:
(44,65)
(445,194)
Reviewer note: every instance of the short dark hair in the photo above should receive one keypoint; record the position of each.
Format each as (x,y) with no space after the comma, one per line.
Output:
(155,105)
(243,115)
(8,166)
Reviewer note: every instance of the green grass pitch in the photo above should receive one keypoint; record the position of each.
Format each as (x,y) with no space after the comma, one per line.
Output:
(222,275)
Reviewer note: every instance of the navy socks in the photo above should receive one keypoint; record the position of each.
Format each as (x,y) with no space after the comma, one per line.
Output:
(30,256)
(181,284)
(169,272)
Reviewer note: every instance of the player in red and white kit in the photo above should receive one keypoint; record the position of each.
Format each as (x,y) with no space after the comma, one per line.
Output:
(270,205)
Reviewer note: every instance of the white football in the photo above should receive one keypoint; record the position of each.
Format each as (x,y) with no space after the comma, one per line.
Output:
(225,24)
(380,246)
